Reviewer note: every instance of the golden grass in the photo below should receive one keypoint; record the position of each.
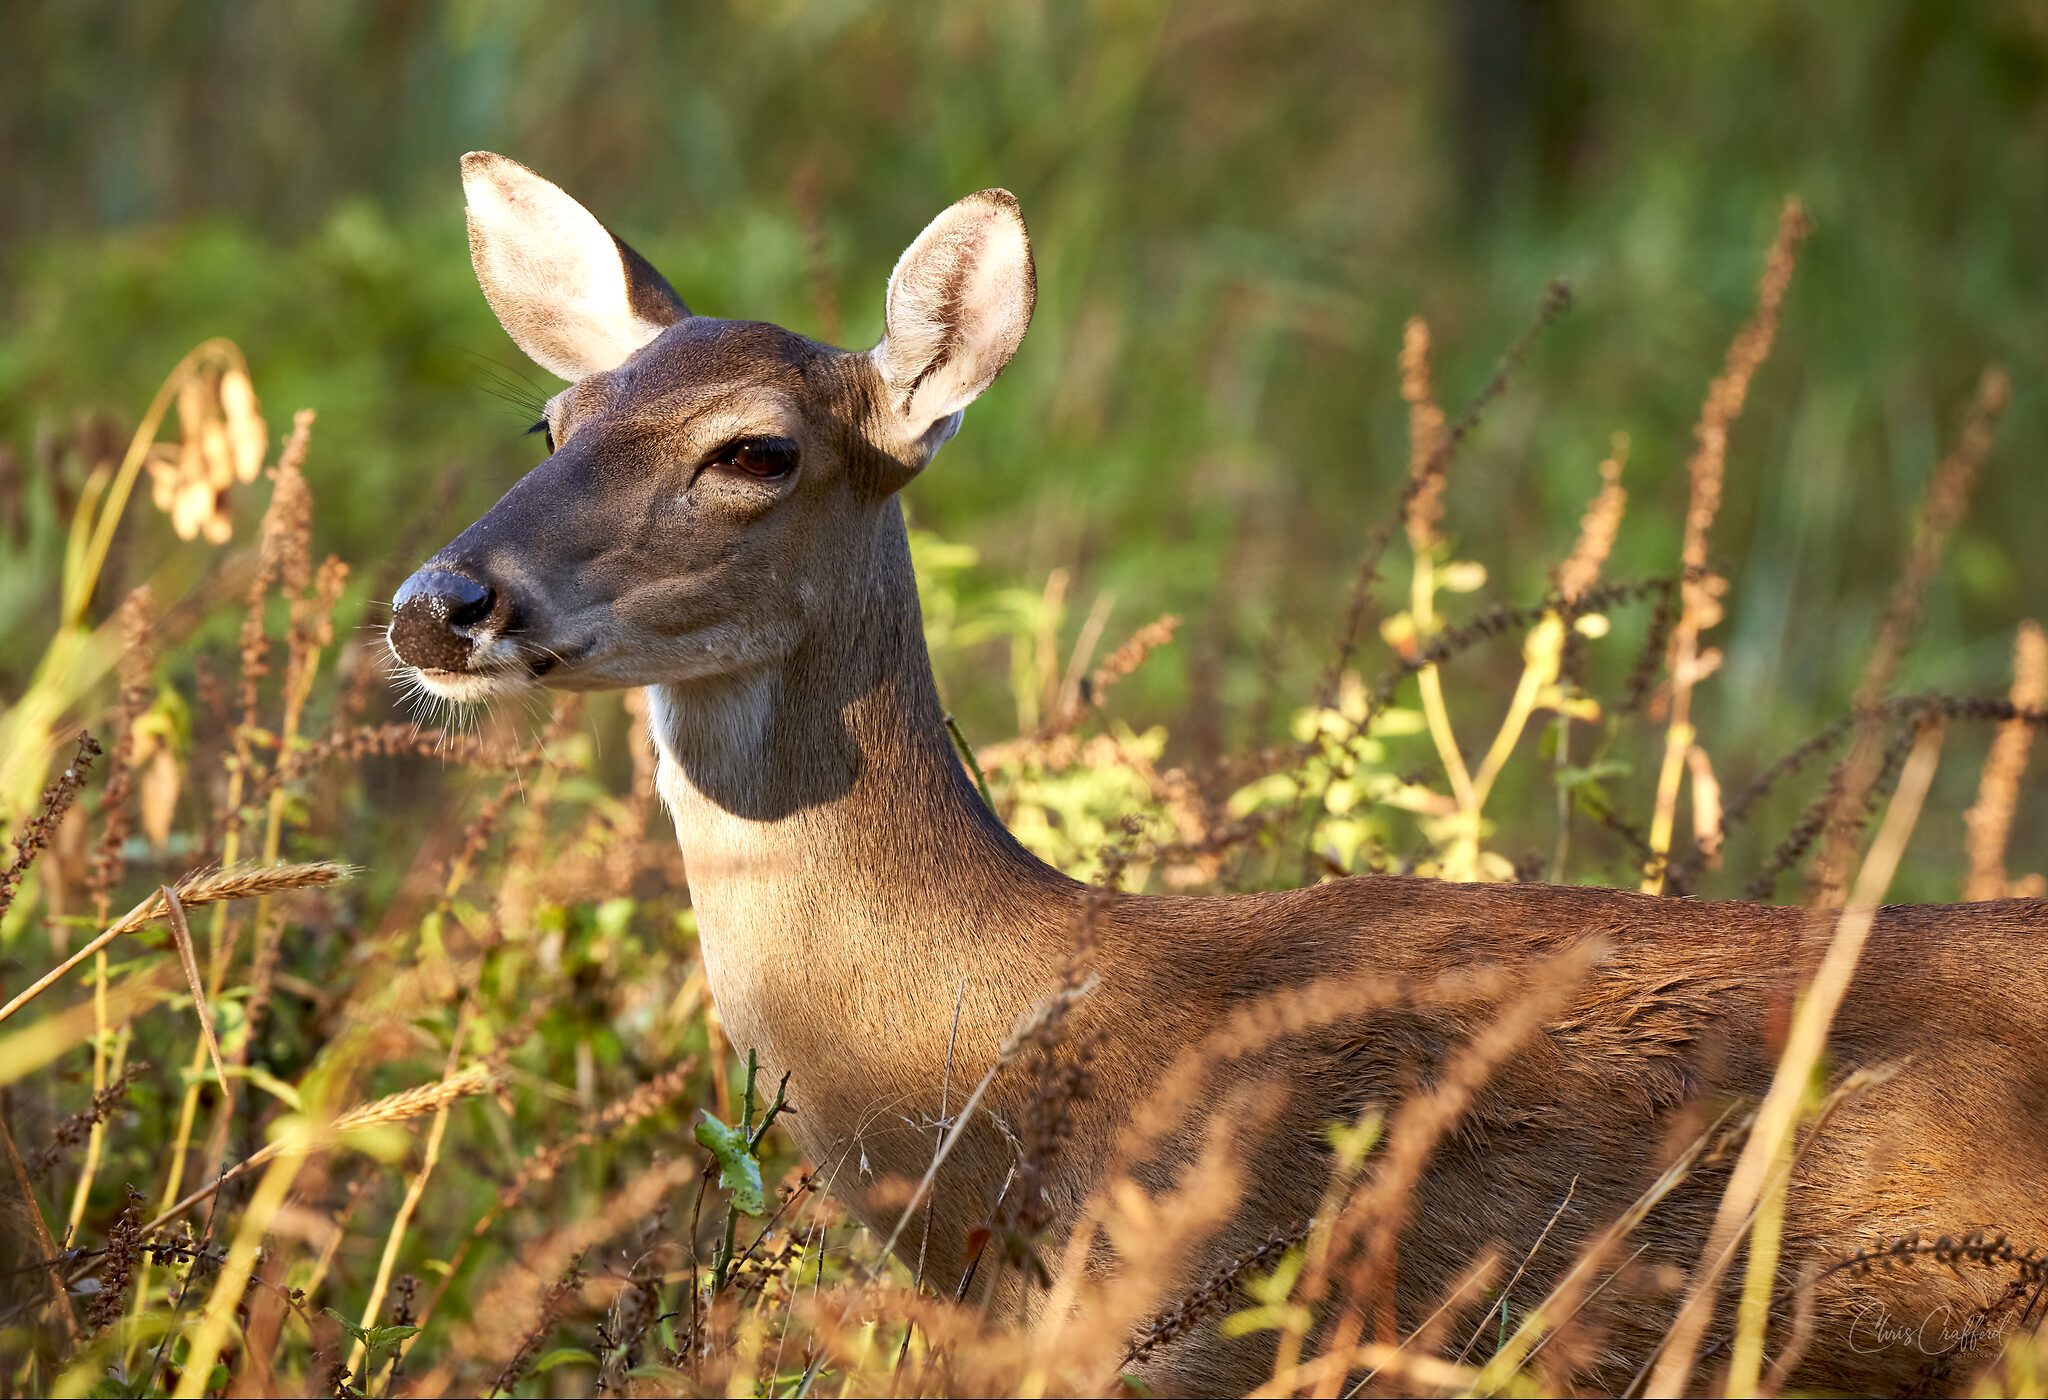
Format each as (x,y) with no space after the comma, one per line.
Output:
(1700,589)
(209,887)
(1989,820)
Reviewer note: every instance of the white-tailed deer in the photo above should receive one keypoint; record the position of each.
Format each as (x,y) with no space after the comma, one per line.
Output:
(717,521)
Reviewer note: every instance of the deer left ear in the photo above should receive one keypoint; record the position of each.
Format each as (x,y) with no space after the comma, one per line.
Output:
(959,302)
(575,298)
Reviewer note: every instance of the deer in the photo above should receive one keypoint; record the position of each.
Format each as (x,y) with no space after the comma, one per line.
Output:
(718,520)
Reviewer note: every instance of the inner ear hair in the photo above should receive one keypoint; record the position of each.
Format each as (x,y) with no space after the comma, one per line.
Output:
(959,302)
(568,291)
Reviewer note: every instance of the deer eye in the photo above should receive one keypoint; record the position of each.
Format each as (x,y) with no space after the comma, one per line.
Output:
(764,459)
(543,427)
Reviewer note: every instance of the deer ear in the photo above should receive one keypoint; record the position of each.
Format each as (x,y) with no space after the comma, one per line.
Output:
(576,299)
(959,302)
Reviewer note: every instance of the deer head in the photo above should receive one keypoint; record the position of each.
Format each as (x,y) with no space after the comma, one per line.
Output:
(710,485)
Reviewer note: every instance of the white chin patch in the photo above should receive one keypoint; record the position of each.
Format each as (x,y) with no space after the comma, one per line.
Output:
(464,687)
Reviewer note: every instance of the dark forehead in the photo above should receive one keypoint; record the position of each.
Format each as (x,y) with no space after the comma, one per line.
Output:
(704,352)
(704,366)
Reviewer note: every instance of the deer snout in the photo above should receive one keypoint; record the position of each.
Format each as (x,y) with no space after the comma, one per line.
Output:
(436,617)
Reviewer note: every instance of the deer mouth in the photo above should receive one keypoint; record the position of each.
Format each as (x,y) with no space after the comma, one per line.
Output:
(494,672)
(469,687)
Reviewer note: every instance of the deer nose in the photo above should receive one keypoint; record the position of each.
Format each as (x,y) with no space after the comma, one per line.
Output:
(433,616)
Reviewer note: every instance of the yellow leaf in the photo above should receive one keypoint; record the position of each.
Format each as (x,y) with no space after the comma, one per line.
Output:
(1399,633)
(157,796)
(1706,803)
(1462,576)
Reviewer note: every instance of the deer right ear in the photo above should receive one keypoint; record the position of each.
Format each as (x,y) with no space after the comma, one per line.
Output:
(576,299)
(959,302)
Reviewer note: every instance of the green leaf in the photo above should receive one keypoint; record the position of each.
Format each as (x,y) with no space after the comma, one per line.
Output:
(563,1356)
(271,1084)
(1571,776)
(374,1339)
(613,916)
(738,1171)
(347,1326)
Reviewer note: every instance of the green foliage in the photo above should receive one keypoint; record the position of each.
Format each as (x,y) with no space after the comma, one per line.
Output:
(739,1170)
(380,1344)
(1204,418)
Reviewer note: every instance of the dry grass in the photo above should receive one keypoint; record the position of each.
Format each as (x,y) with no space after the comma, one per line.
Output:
(1701,591)
(1990,818)
(424,1132)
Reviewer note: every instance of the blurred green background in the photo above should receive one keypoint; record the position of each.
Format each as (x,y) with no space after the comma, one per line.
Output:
(1235,205)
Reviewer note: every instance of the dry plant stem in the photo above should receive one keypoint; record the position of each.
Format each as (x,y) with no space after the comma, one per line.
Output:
(1848,1089)
(212,887)
(542,1165)
(1707,471)
(478,836)
(1989,820)
(1321,1236)
(1422,604)
(1157,1236)
(1057,1004)
(1795,1347)
(1570,1294)
(1521,1268)
(33,834)
(32,1048)
(23,1218)
(1276,1016)
(110,1050)
(1753,1312)
(96,1138)
(430,1157)
(1543,654)
(181,933)
(1941,509)
(337,1232)
(1475,1278)
(219,1317)
(1378,1210)
(1778,1115)
(188,1106)
(97,1135)
(1391,1361)
(945,1094)
(282,561)
(1542,664)
(1416,504)
(300,675)
(1424,508)
(509,1298)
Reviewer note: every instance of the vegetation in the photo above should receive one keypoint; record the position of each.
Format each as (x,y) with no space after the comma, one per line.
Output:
(400,1076)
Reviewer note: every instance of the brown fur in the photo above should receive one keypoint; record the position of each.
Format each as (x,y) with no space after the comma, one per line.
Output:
(852,891)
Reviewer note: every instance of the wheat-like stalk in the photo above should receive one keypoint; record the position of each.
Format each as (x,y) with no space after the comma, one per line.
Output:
(206,887)
(418,1100)
(415,1102)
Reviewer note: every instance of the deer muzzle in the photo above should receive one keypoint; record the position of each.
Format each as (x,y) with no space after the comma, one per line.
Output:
(437,617)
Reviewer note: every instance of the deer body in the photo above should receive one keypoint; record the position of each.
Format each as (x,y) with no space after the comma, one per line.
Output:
(718,522)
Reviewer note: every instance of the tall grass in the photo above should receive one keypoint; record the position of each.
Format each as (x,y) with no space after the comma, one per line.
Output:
(386,1083)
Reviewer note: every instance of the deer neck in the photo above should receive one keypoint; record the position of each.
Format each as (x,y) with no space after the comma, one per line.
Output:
(850,886)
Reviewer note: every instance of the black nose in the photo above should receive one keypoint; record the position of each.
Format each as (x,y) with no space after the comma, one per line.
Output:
(432,616)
